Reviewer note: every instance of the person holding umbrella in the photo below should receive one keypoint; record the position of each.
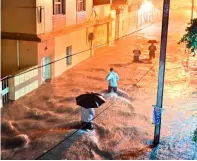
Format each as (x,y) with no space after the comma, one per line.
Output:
(152,48)
(88,102)
(87,114)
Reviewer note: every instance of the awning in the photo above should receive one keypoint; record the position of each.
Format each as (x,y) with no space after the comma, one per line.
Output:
(19,36)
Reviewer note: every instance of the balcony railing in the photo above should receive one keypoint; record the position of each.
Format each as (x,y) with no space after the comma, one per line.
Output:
(22,83)
(5,89)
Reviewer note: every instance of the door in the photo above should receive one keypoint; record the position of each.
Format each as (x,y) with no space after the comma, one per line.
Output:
(68,55)
(5,90)
(46,69)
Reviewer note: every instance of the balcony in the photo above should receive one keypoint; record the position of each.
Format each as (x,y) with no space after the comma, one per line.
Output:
(101,2)
(59,21)
(23,83)
(81,17)
(102,11)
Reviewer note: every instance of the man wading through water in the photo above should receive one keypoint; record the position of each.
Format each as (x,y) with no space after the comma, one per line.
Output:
(152,48)
(112,78)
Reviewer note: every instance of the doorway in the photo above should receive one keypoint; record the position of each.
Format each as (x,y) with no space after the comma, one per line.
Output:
(46,69)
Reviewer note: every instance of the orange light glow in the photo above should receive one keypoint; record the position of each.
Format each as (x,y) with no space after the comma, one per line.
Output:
(147,6)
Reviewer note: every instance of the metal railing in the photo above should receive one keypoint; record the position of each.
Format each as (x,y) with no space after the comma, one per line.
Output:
(5,89)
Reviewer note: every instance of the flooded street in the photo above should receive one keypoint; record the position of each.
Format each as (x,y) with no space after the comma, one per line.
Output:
(124,128)
(178,126)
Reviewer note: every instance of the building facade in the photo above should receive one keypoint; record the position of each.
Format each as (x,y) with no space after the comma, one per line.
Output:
(131,15)
(41,39)
(35,33)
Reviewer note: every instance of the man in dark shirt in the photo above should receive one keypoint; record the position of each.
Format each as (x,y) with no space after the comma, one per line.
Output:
(152,48)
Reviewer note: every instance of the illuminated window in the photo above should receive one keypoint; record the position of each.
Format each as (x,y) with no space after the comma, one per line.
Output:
(58,7)
(80,5)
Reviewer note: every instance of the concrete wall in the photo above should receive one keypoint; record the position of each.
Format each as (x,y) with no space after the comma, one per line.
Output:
(124,22)
(19,16)
(27,55)
(62,42)
(101,35)
(89,6)
(133,18)
(47,13)
(70,12)
(117,25)
(36,16)
(23,84)
(113,25)
(23,16)
(103,10)
(8,57)
(83,16)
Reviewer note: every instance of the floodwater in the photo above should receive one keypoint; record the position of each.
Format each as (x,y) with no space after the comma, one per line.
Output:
(179,125)
(123,130)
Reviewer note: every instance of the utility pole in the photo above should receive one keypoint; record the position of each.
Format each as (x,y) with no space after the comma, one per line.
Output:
(192,14)
(161,75)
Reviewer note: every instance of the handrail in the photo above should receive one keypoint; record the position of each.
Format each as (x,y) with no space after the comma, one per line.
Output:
(6,77)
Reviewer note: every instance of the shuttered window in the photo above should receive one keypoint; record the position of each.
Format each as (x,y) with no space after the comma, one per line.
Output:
(80,5)
(58,7)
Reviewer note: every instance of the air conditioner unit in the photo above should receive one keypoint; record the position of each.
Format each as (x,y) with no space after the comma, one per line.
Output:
(91,36)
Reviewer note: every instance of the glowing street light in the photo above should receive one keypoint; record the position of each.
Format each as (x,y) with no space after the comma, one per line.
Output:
(147,6)
(146,10)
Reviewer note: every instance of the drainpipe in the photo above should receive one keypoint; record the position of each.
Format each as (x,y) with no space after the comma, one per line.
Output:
(192,14)
(18,53)
(92,48)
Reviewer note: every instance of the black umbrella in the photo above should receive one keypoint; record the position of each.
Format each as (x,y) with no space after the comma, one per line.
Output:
(152,41)
(90,100)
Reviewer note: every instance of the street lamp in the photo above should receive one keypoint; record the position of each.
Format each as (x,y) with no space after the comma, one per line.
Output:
(147,6)
(146,10)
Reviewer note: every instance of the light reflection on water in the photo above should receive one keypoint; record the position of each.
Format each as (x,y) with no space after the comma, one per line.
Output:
(177,134)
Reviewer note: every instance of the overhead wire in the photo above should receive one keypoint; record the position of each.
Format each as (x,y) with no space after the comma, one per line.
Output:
(14,75)
(11,76)
(92,119)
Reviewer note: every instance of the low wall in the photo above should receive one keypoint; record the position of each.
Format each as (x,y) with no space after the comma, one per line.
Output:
(1,103)
(23,83)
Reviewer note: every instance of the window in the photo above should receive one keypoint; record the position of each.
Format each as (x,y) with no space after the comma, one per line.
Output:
(68,54)
(46,69)
(80,5)
(58,7)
